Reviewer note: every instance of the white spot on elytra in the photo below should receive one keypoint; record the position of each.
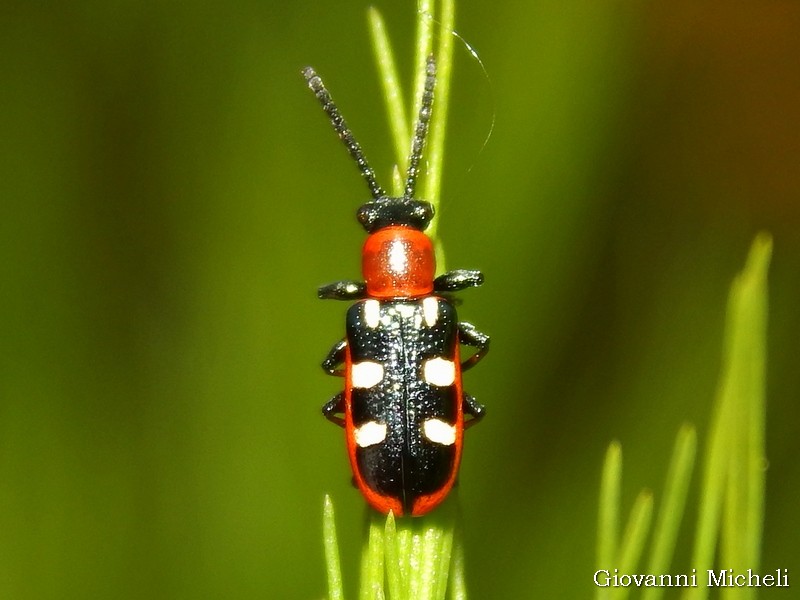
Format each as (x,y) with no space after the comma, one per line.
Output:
(372,313)
(430,309)
(366,374)
(398,258)
(370,433)
(439,371)
(439,432)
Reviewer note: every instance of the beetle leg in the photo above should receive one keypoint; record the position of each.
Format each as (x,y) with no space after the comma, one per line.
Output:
(333,408)
(460,279)
(332,363)
(474,409)
(470,336)
(343,290)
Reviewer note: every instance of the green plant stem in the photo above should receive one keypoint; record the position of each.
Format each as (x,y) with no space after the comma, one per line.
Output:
(331,547)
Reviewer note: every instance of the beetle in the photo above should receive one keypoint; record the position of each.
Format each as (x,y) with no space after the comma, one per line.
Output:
(403,408)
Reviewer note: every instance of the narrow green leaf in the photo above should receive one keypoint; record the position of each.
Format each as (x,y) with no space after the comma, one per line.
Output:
(630,550)
(744,386)
(404,565)
(711,493)
(429,564)
(608,520)
(734,460)
(754,306)
(392,89)
(458,585)
(444,560)
(671,512)
(416,555)
(608,515)
(372,565)
(331,547)
(393,574)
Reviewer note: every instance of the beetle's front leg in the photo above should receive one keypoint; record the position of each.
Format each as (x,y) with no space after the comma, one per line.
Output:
(343,290)
(335,359)
(459,279)
(470,336)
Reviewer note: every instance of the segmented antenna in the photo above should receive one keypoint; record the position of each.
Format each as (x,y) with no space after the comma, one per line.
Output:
(324,97)
(421,129)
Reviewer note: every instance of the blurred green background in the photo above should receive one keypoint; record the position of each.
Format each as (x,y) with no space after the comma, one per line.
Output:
(172,195)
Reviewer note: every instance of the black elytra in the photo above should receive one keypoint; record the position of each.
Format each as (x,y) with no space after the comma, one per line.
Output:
(403,407)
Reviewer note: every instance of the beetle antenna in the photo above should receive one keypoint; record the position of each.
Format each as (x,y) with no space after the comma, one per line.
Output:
(421,129)
(338,122)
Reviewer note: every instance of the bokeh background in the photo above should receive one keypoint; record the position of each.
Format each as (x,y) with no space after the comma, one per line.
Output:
(171,196)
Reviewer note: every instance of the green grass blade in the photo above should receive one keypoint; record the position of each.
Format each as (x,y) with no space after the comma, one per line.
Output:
(392,89)
(458,585)
(429,567)
(404,564)
(331,547)
(732,487)
(630,549)
(372,565)
(734,462)
(670,514)
(393,575)
(444,559)
(745,361)
(754,302)
(712,493)
(418,554)
(608,516)
(609,507)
